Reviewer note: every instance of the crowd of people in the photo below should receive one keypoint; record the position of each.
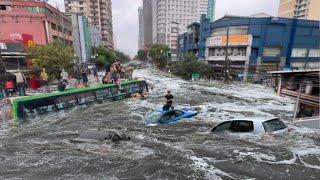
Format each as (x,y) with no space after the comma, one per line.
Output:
(113,74)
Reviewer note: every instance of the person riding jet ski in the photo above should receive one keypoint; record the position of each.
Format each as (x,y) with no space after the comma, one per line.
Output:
(167,106)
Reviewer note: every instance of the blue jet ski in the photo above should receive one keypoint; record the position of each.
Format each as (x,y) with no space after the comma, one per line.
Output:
(163,117)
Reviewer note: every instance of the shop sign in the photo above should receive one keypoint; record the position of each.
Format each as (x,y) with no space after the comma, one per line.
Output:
(233,40)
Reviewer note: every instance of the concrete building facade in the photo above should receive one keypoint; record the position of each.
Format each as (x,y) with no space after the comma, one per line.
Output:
(147,23)
(27,23)
(171,17)
(99,13)
(256,45)
(211,10)
(41,22)
(301,9)
(141,29)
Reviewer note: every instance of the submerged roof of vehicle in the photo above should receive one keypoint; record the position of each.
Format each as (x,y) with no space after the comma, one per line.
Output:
(255,119)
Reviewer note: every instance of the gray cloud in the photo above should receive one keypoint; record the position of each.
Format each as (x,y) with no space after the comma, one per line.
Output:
(125,25)
(125,17)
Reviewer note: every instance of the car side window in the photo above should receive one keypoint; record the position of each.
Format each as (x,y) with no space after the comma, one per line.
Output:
(242,126)
(222,127)
(168,115)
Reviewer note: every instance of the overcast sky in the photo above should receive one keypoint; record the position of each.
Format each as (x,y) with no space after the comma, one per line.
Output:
(125,17)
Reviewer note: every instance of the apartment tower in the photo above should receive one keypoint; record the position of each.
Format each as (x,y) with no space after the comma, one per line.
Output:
(147,22)
(171,18)
(211,10)
(99,13)
(141,24)
(301,9)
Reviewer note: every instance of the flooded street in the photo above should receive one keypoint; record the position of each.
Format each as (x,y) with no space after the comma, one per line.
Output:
(41,149)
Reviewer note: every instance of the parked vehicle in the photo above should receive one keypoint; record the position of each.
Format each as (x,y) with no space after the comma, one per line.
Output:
(256,125)
(163,117)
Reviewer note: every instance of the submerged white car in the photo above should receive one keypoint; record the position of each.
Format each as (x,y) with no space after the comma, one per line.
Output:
(257,125)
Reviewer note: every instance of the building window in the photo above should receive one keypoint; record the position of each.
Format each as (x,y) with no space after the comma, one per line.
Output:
(271,52)
(53,26)
(233,51)
(314,52)
(239,30)
(299,52)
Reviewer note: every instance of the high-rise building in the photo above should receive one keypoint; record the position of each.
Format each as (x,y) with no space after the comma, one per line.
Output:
(171,17)
(99,13)
(147,22)
(301,9)
(141,26)
(211,9)
(81,37)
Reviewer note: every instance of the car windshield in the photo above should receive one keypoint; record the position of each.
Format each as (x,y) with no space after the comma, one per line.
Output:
(273,125)
(153,117)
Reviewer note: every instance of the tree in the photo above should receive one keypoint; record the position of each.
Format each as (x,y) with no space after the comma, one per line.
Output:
(142,55)
(191,64)
(53,57)
(123,58)
(105,56)
(159,54)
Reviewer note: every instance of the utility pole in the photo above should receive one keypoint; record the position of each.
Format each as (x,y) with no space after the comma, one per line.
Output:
(227,61)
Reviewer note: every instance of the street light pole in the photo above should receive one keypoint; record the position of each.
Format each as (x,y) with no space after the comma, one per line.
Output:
(227,63)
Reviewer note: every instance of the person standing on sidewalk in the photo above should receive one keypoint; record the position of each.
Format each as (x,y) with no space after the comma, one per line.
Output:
(84,74)
(20,78)
(64,75)
(44,79)
(95,73)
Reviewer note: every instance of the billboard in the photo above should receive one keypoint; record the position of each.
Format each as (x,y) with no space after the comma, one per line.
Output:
(234,40)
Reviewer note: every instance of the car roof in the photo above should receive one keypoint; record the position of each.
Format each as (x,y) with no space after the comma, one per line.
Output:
(255,119)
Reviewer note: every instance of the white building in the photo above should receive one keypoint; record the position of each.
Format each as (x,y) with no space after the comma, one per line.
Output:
(171,17)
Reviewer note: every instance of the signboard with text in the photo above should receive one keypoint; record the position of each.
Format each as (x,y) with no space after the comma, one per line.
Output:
(233,40)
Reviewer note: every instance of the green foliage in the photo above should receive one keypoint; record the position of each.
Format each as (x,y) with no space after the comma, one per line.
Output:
(191,64)
(123,58)
(53,57)
(105,56)
(142,55)
(159,54)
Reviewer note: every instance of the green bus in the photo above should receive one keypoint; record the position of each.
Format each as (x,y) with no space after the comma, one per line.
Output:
(31,106)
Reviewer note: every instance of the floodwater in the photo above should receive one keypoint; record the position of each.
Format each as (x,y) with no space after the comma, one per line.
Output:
(41,149)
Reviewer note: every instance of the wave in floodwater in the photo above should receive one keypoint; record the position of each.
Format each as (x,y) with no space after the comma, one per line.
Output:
(42,149)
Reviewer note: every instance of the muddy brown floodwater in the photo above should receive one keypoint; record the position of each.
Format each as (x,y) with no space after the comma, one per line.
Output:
(42,148)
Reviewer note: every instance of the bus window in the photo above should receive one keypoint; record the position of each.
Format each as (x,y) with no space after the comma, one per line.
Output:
(103,94)
(39,106)
(86,97)
(66,101)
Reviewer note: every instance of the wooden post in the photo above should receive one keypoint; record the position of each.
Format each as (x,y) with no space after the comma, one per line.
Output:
(296,107)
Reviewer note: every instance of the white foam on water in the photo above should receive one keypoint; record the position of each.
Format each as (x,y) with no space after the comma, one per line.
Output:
(211,171)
